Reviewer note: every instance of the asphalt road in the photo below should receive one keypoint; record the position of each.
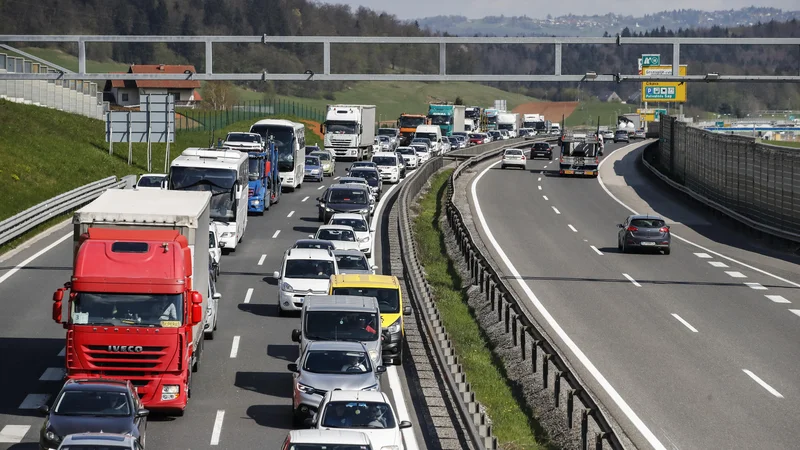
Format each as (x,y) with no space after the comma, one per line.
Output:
(242,393)
(694,350)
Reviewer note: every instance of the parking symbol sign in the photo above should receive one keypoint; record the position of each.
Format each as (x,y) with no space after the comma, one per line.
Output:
(671,91)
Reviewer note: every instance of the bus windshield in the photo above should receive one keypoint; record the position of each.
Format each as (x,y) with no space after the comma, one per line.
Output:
(284,139)
(220,182)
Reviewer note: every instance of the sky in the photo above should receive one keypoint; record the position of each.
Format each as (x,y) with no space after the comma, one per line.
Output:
(415,9)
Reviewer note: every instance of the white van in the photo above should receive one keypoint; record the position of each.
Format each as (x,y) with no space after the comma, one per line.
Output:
(432,132)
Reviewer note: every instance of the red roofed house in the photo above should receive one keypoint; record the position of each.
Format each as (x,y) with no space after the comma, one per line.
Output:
(126,93)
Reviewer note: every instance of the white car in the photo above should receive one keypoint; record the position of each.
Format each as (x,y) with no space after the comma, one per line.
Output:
(327,439)
(360,227)
(342,236)
(214,247)
(513,157)
(388,166)
(409,156)
(422,153)
(367,411)
(608,135)
(305,271)
(151,180)
(505,134)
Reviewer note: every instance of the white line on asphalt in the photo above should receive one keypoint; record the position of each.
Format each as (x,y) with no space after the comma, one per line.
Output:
(63,352)
(680,319)
(718,264)
(248,295)
(540,188)
(777,299)
(321,187)
(34,401)
(336,178)
(400,404)
(756,286)
(13,434)
(541,171)
(41,252)
(545,197)
(590,367)
(540,179)
(596,250)
(53,374)
(304,199)
(795,311)
(545,166)
(375,217)
(235,347)
(217,427)
(290,214)
(261,260)
(763,384)
(748,266)
(556,210)
(630,278)
(572,228)
(277,232)
(703,255)
(735,274)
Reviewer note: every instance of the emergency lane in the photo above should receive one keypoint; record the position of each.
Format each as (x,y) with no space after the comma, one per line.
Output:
(698,347)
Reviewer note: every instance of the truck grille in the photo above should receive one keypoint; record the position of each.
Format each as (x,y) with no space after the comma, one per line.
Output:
(340,142)
(99,357)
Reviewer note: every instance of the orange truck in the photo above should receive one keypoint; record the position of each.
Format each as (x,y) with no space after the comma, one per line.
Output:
(408,124)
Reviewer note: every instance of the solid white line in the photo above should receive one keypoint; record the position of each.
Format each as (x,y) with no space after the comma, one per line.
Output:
(777,299)
(13,434)
(540,188)
(41,252)
(680,319)
(597,250)
(718,264)
(703,255)
(306,198)
(217,427)
(756,286)
(400,406)
(321,188)
(235,347)
(590,367)
(378,208)
(556,210)
(261,260)
(63,352)
(795,311)
(277,232)
(736,274)
(290,214)
(572,228)
(748,266)
(630,278)
(545,197)
(34,401)
(763,384)
(248,295)
(53,374)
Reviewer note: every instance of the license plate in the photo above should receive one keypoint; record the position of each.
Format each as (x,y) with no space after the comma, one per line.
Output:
(648,243)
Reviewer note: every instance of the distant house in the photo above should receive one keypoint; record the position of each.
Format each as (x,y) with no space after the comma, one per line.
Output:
(127,93)
(610,97)
(634,98)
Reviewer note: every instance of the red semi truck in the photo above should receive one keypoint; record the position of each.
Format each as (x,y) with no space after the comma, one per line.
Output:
(137,302)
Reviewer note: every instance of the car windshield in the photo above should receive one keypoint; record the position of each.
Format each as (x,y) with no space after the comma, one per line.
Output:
(358,224)
(138,310)
(243,137)
(541,145)
(365,174)
(429,137)
(388,299)
(105,447)
(92,402)
(385,160)
(311,161)
(336,234)
(383,138)
(350,196)
(648,223)
(352,262)
(625,133)
(317,269)
(421,148)
(338,362)
(313,244)
(358,414)
(476,136)
(341,326)
(322,156)
(150,182)
(406,150)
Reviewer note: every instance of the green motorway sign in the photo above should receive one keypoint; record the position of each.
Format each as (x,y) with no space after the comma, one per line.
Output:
(651,60)
(719,124)
(659,112)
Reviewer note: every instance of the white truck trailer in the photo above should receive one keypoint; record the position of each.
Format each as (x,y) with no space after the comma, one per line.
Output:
(349,130)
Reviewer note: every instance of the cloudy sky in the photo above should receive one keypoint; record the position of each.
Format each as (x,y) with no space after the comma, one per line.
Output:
(413,9)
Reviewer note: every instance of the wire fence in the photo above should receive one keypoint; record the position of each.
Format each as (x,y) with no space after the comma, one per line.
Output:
(211,119)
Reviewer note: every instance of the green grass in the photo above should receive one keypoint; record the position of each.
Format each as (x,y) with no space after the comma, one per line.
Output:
(587,112)
(792,144)
(513,427)
(70,62)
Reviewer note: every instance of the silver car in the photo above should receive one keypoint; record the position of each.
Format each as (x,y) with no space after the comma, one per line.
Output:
(643,232)
(353,262)
(329,365)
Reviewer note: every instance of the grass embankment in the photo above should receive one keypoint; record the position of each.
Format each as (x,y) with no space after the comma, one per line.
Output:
(587,112)
(512,426)
(792,144)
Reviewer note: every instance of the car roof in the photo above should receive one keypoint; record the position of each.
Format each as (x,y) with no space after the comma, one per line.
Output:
(347,216)
(348,186)
(152,175)
(113,439)
(309,253)
(342,346)
(370,281)
(346,180)
(334,437)
(96,385)
(314,241)
(515,149)
(364,396)
(645,216)
(349,253)
(339,302)
(384,154)
(334,227)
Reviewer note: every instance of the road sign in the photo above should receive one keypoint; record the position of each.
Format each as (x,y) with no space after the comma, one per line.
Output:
(719,124)
(651,115)
(651,60)
(791,118)
(664,91)
(640,66)
(155,122)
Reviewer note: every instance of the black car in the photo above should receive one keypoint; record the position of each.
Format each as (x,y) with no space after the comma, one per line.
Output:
(373,178)
(643,232)
(621,136)
(541,149)
(82,406)
(344,198)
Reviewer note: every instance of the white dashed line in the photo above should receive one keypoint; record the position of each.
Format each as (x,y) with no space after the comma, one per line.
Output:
(736,274)
(795,311)
(235,347)
(630,278)
(763,384)
(336,178)
(545,167)
(248,295)
(321,188)
(572,228)
(13,434)
(290,214)
(777,299)
(41,252)
(540,179)
(34,401)
(304,199)
(756,286)
(261,260)
(596,250)
(703,255)
(556,210)
(53,374)
(276,234)
(545,197)
(217,427)
(680,319)
(540,188)
(63,352)
(718,264)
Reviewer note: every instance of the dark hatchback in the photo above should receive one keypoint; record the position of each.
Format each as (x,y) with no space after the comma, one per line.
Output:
(82,406)
(541,150)
(373,178)
(643,232)
(344,198)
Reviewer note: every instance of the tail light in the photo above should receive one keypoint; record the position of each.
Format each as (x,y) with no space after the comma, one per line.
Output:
(523,157)
(664,230)
(632,228)
(561,160)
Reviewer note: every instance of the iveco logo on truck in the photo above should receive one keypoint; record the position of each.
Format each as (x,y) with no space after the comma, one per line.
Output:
(125,348)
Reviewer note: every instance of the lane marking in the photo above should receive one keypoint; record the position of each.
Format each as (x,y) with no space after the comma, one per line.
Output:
(756,286)
(290,214)
(248,295)
(41,252)
(795,311)
(545,166)
(63,352)
(13,434)
(261,260)
(680,319)
(540,188)
(321,187)
(336,178)
(540,179)
(748,266)
(718,264)
(763,384)
(306,198)
(235,347)
(735,274)
(400,405)
(53,374)
(34,401)
(778,299)
(277,232)
(572,228)
(556,210)
(375,217)
(217,427)
(596,250)
(703,255)
(544,197)
(590,367)
(630,278)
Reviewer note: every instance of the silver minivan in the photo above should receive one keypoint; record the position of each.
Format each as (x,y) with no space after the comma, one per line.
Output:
(341,318)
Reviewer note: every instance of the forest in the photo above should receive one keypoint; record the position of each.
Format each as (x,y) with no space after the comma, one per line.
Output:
(302,17)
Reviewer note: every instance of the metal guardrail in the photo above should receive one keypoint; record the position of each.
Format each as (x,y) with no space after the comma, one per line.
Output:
(16,226)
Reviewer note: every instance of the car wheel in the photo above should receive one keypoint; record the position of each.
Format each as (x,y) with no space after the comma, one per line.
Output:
(619,244)
(624,247)
(666,251)
(503,167)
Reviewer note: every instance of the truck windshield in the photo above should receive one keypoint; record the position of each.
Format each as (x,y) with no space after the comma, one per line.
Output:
(341,326)
(145,310)
(538,126)
(491,119)
(506,126)
(472,114)
(256,169)
(441,120)
(339,127)
(242,137)
(411,122)
(284,140)
(220,182)
(388,299)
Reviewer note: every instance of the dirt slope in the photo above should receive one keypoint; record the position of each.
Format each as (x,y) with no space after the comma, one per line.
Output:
(552,111)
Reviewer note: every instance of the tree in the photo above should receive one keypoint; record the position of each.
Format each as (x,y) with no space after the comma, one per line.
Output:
(459,101)
(218,95)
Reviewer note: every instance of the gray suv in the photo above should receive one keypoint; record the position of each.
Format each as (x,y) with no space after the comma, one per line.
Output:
(344,198)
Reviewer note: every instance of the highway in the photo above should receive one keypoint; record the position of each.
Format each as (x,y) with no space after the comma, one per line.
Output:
(242,392)
(694,350)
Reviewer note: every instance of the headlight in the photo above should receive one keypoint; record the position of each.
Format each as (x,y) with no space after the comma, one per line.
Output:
(328,209)
(170,392)
(364,239)
(50,436)
(395,327)
(286,287)
(373,355)
(315,171)
(227,234)
(256,202)
(305,389)
(374,387)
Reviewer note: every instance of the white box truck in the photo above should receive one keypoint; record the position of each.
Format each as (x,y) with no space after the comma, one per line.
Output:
(349,130)
(510,122)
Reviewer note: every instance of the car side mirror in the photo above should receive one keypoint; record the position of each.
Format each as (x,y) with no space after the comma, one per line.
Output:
(374,267)
(217,296)
(142,412)
(292,367)
(221,245)
(309,422)
(311,236)
(276,275)
(380,369)
(405,424)
(319,199)
(406,310)
(44,410)
(619,225)
(296,335)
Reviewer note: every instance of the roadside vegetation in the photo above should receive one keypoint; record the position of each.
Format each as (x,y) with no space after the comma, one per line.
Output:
(511,424)
(792,144)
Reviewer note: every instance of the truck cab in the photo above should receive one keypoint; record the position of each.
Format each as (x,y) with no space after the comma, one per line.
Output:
(432,133)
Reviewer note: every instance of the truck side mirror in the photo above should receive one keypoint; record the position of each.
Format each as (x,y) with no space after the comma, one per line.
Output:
(296,335)
(197,313)
(196,298)
(58,297)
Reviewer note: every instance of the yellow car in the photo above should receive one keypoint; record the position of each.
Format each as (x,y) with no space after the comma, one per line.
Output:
(386,289)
